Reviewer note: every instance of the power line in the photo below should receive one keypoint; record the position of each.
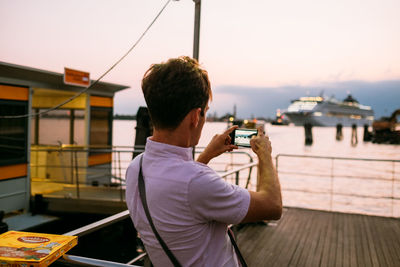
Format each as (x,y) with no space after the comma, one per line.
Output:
(94,83)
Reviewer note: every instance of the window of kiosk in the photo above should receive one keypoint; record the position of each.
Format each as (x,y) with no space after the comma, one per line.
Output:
(100,127)
(62,126)
(13,132)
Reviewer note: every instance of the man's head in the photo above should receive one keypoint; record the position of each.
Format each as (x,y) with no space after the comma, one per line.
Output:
(173,88)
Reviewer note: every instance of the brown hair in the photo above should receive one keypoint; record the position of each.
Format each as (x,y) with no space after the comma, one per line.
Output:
(173,88)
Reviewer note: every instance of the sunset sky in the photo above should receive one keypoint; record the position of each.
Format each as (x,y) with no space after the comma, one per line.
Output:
(247,46)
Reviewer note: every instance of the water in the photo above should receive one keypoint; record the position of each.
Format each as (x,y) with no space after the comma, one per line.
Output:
(368,187)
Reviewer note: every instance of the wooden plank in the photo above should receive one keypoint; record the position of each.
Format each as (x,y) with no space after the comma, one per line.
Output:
(329,245)
(352,241)
(254,247)
(317,241)
(334,242)
(256,239)
(308,226)
(327,241)
(340,240)
(394,226)
(273,248)
(390,241)
(318,238)
(293,233)
(367,221)
(346,241)
(385,236)
(273,251)
(310,240)
(380,243)
(364,253)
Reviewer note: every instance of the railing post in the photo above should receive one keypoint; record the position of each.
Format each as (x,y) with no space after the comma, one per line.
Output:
(249,177)
(76,174)
(392,188)
(276,163)
(237,178)
(120,176)
(331,204)
(113,164)
(72,168)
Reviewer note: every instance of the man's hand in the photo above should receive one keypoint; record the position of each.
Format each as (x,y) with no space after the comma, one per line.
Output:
(260,144)
(219,144)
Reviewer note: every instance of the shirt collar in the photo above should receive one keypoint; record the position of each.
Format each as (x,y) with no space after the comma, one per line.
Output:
(158,149)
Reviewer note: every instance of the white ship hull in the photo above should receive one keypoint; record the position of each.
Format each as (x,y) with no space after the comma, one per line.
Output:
(301,119)
(318,111)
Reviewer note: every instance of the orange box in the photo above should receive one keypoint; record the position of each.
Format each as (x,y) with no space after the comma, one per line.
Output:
(24,249)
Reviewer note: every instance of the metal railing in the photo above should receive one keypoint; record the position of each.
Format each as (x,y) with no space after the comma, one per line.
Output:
(356,185)
(67,169)
(90,228)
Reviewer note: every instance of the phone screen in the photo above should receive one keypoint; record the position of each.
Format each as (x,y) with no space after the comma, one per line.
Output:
(241,137)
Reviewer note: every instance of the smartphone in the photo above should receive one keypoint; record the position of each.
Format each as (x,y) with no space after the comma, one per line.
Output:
(241,137)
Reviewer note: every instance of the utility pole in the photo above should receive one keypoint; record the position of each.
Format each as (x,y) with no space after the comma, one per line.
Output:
(196,39)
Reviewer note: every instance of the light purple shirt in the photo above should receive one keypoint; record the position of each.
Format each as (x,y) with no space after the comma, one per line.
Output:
(190,205)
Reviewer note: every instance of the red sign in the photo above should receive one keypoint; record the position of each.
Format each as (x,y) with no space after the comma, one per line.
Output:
(76,77)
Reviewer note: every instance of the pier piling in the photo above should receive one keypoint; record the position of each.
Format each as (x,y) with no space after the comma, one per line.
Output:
(144,129)
(339,133)
(308,134)
(367,134)
(354,138)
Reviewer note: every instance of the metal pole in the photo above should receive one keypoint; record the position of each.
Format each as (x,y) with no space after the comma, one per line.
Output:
(71,126)
(196,39)
(76,174)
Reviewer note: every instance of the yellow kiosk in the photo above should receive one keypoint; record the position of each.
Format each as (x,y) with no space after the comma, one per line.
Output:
(63,146)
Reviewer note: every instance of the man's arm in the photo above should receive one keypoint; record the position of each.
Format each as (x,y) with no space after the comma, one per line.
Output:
(266,203)
(219,144)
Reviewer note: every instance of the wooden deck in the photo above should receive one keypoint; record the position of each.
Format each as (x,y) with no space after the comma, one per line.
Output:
(317,238)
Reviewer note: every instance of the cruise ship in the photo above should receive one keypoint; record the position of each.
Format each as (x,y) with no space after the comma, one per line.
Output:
(322,111)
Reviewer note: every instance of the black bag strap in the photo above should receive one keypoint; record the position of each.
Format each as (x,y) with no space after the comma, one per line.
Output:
(239,255)
(175,262)
(142,192)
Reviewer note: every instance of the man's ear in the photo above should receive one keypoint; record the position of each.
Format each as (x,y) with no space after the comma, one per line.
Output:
(195,116)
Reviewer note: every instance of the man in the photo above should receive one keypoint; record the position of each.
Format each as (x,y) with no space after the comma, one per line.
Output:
(191,205)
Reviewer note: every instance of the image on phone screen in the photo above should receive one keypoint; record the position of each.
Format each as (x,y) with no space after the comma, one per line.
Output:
(242,137)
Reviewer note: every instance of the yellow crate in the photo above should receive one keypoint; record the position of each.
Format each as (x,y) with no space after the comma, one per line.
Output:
(25,249)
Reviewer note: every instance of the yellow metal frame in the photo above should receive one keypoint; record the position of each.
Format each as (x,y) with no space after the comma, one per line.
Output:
(47,98)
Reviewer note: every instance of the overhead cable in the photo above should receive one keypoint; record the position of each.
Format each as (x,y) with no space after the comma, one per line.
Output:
(94,83)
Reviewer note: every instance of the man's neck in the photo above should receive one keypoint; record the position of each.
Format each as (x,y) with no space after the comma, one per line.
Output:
(175,137)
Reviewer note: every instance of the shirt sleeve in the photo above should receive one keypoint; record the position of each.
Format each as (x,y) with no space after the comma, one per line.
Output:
(213,199)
